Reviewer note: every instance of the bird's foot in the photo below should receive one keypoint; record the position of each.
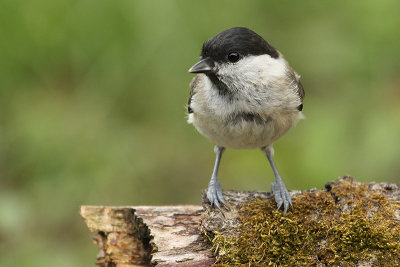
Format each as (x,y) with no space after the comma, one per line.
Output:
(214,194)
(282,196)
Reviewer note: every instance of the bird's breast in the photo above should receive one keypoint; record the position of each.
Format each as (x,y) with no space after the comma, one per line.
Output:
(243,130)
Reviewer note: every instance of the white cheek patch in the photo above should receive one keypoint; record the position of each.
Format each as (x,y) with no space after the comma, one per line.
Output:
(259,70)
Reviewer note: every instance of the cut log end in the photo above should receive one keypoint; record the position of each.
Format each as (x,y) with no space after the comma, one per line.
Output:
(148,235)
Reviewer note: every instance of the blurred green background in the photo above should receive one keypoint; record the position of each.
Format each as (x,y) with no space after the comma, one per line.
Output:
(92,108)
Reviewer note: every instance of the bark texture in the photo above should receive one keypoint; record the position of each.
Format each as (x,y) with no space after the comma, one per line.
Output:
(148,235)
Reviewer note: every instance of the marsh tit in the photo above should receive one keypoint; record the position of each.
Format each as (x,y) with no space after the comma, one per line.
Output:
(244,96)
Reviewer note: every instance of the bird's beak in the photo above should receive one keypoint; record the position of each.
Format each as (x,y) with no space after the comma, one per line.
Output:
(204,65)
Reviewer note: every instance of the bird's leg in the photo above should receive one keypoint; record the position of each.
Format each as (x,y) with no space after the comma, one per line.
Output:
(214,192)
(279,190)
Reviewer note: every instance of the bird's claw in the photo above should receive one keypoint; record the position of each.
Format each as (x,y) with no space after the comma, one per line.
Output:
(282,196)
(214,195)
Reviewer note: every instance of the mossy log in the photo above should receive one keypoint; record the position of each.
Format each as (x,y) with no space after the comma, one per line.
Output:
(347,223)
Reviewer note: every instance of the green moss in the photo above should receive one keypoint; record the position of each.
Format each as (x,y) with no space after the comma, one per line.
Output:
(348,224)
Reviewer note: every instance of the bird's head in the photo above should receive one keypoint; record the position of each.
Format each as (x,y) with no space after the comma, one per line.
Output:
(236,57)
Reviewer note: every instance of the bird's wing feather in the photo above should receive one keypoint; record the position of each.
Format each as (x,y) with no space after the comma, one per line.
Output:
(300,90)
(193,85)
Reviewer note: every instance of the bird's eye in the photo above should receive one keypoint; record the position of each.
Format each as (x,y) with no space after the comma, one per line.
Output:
(233,57)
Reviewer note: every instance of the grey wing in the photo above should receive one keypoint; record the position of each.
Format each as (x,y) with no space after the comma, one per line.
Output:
(301,93)
(193,85)
(300,89)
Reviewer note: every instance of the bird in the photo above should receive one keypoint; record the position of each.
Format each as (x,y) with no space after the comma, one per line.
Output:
(245,95)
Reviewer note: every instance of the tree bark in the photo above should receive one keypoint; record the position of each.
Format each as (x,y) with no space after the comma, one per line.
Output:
(148,235)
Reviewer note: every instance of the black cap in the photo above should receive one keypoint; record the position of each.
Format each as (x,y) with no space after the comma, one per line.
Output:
(240,40)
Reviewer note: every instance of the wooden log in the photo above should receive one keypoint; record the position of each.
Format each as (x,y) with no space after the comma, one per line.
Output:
(181,235)
(148,235)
